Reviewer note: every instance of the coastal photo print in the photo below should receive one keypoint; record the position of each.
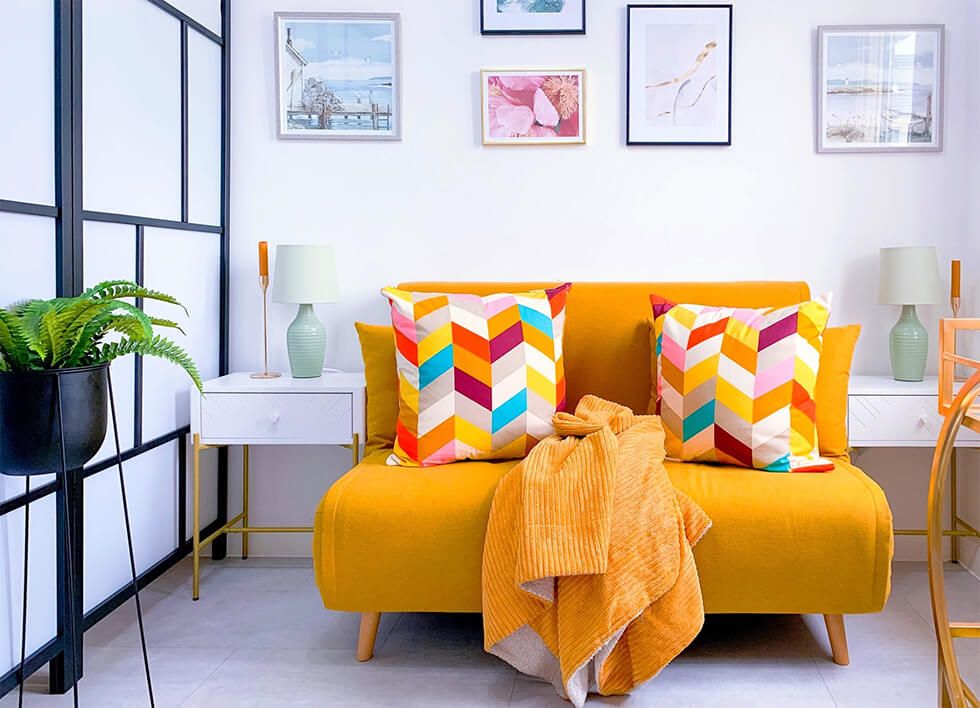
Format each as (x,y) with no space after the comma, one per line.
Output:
(533,107)
(880,88)
(532,16)
(338,75)
(678,74)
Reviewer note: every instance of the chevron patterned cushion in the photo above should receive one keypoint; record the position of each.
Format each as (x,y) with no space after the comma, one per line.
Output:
(478,377)
(736,386)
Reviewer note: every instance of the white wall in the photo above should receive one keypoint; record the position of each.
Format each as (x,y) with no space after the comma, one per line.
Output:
(438,205)
(969,486)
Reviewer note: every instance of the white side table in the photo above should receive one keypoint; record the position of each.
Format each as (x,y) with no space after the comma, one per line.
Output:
(239,410)
(882,412)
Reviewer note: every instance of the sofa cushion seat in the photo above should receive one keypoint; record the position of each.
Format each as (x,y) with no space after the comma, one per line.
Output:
(395,539)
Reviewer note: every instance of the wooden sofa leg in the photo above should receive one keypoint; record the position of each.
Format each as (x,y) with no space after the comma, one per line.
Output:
(838,638)
(367,635)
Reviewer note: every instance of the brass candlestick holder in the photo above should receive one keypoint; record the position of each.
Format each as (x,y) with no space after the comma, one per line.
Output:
(954,305)
(265,374)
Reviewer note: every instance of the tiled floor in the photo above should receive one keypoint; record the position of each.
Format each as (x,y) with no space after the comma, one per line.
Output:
(260,637)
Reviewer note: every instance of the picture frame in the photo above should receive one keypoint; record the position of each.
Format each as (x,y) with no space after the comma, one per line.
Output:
(533,106)
(679,74)
(880,88)
(338,75)
(528,17)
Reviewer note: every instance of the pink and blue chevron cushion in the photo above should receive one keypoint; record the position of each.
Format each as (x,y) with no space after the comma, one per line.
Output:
(478,377)
(736,385)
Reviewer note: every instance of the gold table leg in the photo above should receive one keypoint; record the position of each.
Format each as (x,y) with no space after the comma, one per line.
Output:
(196,584)
(245,502)
(230,525)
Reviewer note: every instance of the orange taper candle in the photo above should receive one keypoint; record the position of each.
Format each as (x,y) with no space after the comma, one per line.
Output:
(263,258)
(954,289)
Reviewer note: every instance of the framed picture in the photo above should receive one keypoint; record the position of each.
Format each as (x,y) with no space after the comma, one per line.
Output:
(880,88)
(679,74)
(532,16)
(533,106)
(338,75)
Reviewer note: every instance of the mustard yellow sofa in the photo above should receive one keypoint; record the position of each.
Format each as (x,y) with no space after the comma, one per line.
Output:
(390,539)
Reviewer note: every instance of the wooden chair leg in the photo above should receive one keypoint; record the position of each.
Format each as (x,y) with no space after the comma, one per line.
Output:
(838,638)
(367,635)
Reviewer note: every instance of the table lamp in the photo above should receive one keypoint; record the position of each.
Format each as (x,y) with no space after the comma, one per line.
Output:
(305,275)
(909,276)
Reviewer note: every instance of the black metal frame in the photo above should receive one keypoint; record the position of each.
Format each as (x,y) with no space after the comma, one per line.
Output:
(731,41)
(491,32)
(64,651)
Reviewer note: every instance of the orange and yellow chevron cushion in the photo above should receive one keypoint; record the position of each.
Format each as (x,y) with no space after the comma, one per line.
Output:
(479,378)
(736,386)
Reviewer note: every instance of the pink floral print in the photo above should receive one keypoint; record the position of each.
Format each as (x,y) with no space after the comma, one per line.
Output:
(545,106)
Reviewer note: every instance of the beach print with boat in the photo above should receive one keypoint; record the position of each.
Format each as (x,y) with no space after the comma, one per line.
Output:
(880,88)
(338,76)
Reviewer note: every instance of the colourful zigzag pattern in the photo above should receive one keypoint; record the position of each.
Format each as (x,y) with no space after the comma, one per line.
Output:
(736,386)
(479,377)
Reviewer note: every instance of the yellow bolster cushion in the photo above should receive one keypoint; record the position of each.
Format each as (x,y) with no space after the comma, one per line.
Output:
(830,395)
(378,350)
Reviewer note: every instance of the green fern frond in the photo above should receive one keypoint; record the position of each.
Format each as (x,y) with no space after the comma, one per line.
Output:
(156,346)
(13,341)
(118,289)
(69,332)
(33,312)
(158,322)
(52,336)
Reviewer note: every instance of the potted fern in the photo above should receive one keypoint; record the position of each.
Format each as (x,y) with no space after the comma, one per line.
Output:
(42,341)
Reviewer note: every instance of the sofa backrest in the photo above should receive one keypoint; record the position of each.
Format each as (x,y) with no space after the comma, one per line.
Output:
(607,330)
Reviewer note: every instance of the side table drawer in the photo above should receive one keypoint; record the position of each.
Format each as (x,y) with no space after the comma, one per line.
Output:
(909,421)
(275,418)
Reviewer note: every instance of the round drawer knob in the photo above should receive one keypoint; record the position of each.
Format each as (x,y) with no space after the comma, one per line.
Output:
(274,417)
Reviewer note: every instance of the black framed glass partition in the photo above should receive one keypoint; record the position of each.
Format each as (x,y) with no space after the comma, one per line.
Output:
(114,163)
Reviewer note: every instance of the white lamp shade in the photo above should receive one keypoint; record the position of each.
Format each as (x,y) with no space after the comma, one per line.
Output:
(305,275)
(909,275)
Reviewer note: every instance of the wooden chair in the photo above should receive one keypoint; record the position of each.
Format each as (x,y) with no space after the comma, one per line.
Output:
(961,409)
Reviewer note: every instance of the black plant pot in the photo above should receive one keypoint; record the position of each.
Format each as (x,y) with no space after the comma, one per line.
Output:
(30,440)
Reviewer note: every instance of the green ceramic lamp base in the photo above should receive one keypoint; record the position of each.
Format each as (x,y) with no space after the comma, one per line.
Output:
(908,346)
(306,341)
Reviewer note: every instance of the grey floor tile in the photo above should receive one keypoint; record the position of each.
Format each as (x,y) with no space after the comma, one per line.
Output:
(114,676)
(234,575)
(707,683)
(897,631)
(260,636)
(253,677)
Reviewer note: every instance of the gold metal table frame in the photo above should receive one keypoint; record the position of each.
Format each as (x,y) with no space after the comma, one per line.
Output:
(958,527)
(242,517)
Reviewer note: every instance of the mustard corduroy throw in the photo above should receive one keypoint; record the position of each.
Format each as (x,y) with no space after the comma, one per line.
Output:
(589,579)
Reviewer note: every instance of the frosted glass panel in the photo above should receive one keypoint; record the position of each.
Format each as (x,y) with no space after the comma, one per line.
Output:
(110,254)
(204,130)
(27,87)
(27,257)
(131,103)
(185,264)
(207,12)
(27,270)
(42,580)
(151,489)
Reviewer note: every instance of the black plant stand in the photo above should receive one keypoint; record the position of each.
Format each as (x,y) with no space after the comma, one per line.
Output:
(72,590)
